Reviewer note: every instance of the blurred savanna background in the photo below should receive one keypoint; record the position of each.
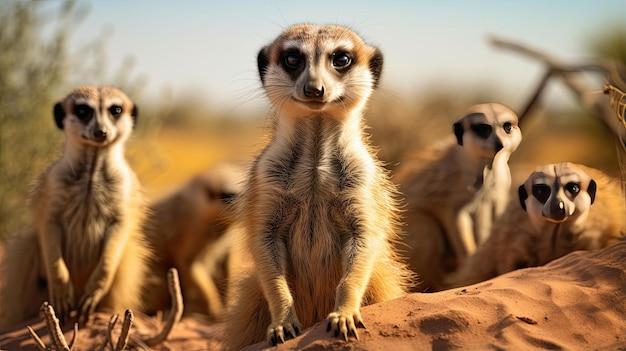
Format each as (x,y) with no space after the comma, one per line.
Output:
(191,68)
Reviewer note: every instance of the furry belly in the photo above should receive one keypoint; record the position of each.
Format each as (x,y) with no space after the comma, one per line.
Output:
(86,226)
(315,267)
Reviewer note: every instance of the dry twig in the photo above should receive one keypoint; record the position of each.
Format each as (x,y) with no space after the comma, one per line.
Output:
(59,342)
(174,316)
(618,101)
(56,334)
(122,342)
(40,344)
(615,86)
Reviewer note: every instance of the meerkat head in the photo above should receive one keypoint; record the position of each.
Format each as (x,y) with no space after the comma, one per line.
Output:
(95,116)
(556,193)
(485,129)
(310,69)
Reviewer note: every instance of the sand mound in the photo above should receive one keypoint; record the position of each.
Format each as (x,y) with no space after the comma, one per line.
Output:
(577,302)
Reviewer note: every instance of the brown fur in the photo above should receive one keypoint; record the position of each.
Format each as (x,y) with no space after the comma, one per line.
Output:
(191,231)
(318,210)
(517,243)
(86,246)
(455,190)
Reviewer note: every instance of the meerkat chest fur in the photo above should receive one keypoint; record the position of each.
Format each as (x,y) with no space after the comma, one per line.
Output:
(312,177)
(92,192)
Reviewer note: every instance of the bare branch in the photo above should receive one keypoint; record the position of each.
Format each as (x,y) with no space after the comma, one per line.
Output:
(175,314)
(174,317)
(40,345)
(123,340)
(615,87)
(112,322)
(47,314)
(552,62)
(595,103)
(535,98)
(618,101)
(74,337)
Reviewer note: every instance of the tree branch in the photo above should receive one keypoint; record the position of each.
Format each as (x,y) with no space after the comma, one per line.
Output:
(175,314)
(597,104)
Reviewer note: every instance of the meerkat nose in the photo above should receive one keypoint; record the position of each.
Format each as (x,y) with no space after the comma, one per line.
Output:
(100,134)
(557,210)
(499,146)
(312,90)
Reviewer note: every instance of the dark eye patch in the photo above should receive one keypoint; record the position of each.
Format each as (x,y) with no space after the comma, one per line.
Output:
(83,112)
(481,129)
(541,192)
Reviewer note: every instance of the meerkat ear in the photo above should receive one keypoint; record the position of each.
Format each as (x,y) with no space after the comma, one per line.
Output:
(262,61)
(523,195)
(59,113)
(591,190)
(134,114)
(376,66)
(458,132)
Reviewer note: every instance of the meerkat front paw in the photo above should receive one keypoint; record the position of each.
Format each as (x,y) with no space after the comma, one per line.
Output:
(87,305)
(62,298)
(345,324)
(288,328)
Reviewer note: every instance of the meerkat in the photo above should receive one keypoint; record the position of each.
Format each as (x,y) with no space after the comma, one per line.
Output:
(192,231)
(455,190)
(318,210)
(86,250)
(560,208)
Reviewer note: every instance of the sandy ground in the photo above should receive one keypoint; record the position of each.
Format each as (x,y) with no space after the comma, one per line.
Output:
(575,303)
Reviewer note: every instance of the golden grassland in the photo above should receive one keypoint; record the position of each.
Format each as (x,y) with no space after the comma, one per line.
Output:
(173,155)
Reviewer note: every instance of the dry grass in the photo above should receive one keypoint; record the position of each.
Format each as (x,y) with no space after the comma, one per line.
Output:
(176,154)
(173,155)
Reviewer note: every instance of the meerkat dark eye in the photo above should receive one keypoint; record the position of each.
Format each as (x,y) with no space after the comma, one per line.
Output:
(572,188)
(507,127)
(541,192)
(481,129)
(292,61)
(83,112)
(115,110)
(341,60)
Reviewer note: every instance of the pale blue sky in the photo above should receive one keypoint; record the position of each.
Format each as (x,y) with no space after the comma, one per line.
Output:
(212,45)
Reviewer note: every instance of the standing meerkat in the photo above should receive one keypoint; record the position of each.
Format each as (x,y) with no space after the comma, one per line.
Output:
(319,212)
(86,247)
(192,231)
(561,208)
(455,190)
